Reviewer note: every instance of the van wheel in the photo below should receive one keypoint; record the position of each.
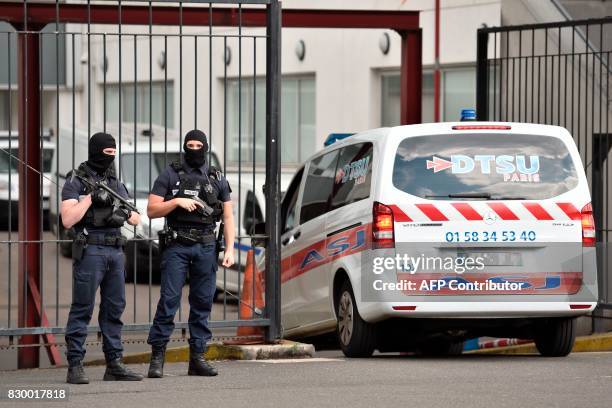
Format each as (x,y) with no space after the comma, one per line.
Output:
(355,335)
(441,348)
(556,337)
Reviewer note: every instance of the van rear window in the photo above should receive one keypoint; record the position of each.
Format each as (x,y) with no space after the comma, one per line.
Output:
(484,166)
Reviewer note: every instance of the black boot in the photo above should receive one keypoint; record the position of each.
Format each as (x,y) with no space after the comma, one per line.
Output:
(76,374)
(117,371)
(199,366)
(156,366)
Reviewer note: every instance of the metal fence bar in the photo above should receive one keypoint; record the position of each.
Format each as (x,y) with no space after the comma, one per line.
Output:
(99,97)
(239,139)
(134,327)
(10,184)
(225,59)
(273,146)
(570,87)
(57,155)
(150,242)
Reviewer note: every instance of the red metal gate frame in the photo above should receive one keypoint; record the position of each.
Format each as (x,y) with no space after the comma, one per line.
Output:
(34,16)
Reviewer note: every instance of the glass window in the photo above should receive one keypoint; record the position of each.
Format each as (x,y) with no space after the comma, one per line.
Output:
(10,113)
(288,213)
(47,158)
(297,121)
(137,180)
(54,71)
(140,112)
(445,167)
(458,88)
(318,187)
(427,107)
(353,175)
(4,109)
(306,124)
(459,92)
(239,149)
(8,164)
(390,100)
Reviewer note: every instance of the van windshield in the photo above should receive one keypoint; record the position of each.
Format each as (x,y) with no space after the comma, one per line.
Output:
(484,166)
(137,181)
(9,164)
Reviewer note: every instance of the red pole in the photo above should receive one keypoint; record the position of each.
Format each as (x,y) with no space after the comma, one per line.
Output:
(29,191)
(411,77)
(437,64)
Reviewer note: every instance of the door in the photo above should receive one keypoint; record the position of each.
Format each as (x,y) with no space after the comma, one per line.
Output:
(289,226)
(309,262)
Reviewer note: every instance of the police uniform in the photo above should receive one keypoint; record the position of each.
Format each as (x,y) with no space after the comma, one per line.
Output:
(196,255)
(98,261)
(101,264)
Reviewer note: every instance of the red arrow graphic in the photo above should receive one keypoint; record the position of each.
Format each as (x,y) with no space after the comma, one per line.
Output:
(438,164)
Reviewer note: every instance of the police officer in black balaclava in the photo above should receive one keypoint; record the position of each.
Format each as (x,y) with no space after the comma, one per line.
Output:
(98,259)
(193,197)
(98,160)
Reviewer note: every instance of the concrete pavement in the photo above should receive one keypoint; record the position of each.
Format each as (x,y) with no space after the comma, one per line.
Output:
(582,379)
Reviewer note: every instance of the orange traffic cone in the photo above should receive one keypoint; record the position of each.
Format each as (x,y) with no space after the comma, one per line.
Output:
(251,298)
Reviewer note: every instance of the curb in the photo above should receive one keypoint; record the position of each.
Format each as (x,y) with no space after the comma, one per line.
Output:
(593,343)
(219,351)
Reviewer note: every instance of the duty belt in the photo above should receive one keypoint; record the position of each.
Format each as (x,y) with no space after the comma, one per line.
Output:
(110,240)
(191,236)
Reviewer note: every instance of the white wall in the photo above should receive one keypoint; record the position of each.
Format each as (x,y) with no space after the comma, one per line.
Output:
(346,63)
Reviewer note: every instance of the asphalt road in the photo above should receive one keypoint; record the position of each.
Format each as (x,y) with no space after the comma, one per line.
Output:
(580,380)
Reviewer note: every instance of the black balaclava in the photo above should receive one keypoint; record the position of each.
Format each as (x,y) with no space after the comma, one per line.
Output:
(195,158)
(98,160)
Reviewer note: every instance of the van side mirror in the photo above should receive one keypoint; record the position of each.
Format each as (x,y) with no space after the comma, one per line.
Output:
(260,228)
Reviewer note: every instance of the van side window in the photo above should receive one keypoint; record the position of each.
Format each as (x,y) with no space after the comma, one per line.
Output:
(353,175)
(318,187)
(252,212)
(288,214)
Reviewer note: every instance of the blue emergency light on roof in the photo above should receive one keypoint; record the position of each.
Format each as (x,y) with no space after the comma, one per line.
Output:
(334,137)
(468,114)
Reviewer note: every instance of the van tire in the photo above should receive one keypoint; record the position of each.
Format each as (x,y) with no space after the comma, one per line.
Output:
(441,348)
(556,337)
(356,336)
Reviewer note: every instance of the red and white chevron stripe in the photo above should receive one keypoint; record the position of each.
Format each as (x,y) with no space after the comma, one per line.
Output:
(477,211)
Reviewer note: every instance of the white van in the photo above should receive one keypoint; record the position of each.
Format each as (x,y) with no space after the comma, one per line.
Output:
(416,238)
(9,177)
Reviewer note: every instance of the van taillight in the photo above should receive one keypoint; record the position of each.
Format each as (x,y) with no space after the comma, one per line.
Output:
(382,227)
(588,225)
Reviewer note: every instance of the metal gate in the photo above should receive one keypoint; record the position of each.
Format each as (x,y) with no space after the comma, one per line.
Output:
(146,74)
(557,74)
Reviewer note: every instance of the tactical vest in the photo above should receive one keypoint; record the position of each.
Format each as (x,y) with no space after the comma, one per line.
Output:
(190,185)
(96,216)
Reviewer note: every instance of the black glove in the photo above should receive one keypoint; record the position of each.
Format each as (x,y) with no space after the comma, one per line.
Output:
(118,217)
(101,198)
